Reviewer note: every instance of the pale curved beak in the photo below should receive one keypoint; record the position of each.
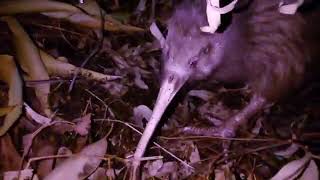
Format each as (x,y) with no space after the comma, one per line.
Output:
(170,85)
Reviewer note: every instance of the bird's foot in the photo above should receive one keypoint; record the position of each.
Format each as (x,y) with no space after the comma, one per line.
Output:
(229,127)
(221,131)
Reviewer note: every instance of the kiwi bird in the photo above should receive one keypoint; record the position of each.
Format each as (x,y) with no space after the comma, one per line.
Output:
(261,48)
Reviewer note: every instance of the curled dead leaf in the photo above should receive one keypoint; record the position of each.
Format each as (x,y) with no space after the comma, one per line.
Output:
(311,172)
(82,164)
(288,152)
(289,8)
(293,169)
(65,69)
(57,9)
(214,12)
(10,158)
(29,60)
(10,75)
(10,7)
(36,116)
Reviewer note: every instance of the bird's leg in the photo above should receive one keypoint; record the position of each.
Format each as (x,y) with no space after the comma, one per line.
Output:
(256,104)
(230,126)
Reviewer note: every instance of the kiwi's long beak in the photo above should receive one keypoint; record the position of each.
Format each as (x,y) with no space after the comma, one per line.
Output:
(171,84)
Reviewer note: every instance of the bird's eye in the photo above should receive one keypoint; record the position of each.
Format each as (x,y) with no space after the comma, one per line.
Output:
(206,50)
(193,62)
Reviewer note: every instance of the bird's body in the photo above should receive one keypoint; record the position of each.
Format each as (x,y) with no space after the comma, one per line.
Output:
(260,47)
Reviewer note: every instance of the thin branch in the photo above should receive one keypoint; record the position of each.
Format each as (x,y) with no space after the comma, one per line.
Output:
(92,54)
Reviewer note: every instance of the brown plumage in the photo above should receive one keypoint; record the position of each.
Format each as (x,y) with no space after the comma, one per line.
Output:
(260,47)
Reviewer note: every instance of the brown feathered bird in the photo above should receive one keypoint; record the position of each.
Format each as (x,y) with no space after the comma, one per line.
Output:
(260,47)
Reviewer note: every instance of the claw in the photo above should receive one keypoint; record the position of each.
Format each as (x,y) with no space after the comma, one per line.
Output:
(227,132)
(197,131)
(221,131)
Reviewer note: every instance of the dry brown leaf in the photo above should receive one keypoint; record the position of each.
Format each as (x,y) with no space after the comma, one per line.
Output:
(42,148)
(83,125)
(11,7)
(64,69)
(194,155)
(160,169)
(5,110)
(100,174)
(92,8)
(10,158)
(67,12)
(24,174)
(9,74)
(214,12)
(154,167)
(202,94)
(288,152)
(224,173)
(36,116)
(138,79)
(82,164)
(311,173)
(289,8)
(293,169)
(155,31)
(65,152)
(141,6)
(92,22)
(29,59)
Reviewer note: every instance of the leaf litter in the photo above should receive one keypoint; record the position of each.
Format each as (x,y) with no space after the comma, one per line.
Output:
(50,40)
